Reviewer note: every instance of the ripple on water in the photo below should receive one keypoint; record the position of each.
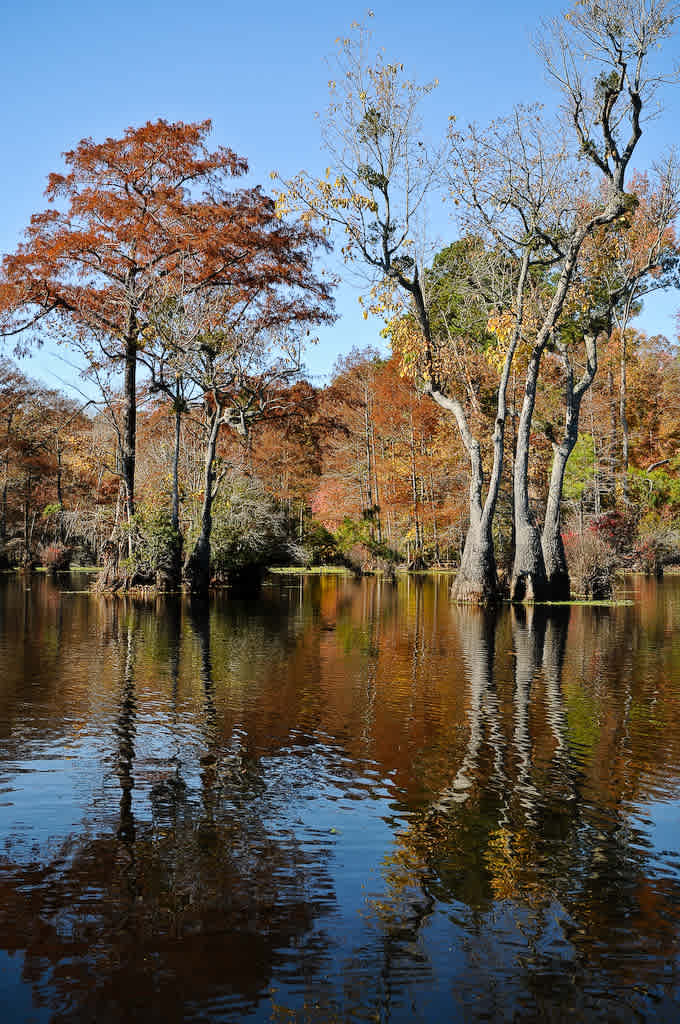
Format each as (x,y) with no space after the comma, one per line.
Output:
(341,802)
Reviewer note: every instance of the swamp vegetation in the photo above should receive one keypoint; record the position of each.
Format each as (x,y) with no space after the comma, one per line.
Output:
(513,431)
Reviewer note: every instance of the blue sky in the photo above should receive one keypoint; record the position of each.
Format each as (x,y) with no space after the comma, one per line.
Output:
(74,69)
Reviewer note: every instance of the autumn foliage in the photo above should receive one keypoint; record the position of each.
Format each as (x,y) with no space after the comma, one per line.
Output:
(517,402)
(132,216)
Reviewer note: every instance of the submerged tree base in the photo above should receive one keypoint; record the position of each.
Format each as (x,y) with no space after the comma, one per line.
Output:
(529,588)
(528,584)
(477,580)
(473,592)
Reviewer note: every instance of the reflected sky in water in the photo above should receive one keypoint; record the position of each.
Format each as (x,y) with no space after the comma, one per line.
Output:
(339,801)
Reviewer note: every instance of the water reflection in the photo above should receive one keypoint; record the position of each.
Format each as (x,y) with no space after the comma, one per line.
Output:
(477,631)
(341,801)
(125,734)
(118,910)
(548,881)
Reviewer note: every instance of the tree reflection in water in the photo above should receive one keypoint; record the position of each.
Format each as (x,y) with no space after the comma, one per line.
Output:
(340,802)
(159,913)
(553,902)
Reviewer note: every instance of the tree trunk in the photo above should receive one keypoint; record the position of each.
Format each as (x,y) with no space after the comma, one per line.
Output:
(557,572)
(528,573)
(376,490)
(596,460)
(613,443)
(3,504)
(369,467)
(197,568)
(435,528)
(528,581)
(175,466)
(129,438)
(171,579)
(554,557)
(59,529)
(414,494)
(477,579)
(623,417)
(27,560)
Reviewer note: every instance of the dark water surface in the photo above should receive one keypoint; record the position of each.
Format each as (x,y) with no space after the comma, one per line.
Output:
(339,802)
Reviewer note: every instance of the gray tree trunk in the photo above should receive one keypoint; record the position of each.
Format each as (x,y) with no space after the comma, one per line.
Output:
(477,578)
(554,557)
(556,569)
(59,526)
(529,582)
(175,466)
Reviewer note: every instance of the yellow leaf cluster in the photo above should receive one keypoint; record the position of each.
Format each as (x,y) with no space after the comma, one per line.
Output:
(502,325)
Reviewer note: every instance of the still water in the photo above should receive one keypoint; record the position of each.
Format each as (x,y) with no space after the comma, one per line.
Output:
(342,801)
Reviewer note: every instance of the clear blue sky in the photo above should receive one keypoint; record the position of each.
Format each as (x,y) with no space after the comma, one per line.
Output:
(76,69)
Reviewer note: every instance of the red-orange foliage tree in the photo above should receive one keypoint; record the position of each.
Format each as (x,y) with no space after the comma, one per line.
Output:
(133,212)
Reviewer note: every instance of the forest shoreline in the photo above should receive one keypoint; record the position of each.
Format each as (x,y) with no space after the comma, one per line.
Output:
(152,592)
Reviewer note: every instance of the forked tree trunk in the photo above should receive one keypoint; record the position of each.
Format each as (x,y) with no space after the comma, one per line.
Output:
(477,578)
